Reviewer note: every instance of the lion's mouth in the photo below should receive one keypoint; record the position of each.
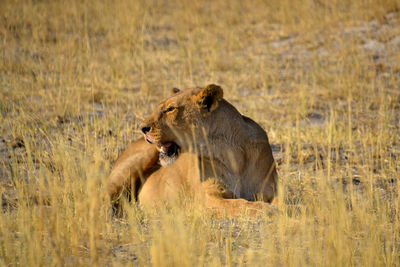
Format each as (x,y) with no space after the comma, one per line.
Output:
(168,153)
(148,139)
(168,149)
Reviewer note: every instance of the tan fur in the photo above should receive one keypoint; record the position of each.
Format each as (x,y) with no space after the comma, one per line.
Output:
(132,167)
(225,159)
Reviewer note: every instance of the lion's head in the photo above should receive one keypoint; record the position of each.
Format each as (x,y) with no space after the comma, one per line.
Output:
(180,121)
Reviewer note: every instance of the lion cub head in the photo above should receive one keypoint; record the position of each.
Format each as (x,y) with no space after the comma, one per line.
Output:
(179,122)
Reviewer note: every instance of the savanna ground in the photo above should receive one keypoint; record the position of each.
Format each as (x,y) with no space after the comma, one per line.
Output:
(322,77)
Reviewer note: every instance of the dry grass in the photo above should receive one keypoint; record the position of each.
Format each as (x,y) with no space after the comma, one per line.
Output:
(322,77)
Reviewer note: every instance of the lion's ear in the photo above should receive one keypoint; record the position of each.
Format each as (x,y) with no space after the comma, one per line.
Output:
(174,91)
(209,97)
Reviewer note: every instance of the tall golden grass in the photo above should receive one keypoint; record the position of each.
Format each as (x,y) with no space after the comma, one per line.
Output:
(322,77)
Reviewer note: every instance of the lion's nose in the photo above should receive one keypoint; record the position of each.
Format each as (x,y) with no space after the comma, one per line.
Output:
(145,129)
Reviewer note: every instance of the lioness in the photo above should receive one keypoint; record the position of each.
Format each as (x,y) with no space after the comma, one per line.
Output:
(197,143)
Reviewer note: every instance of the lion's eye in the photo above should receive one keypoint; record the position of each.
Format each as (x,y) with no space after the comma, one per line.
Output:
(169,109)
